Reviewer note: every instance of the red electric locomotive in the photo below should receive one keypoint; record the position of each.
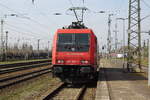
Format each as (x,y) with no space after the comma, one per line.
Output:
(75,54)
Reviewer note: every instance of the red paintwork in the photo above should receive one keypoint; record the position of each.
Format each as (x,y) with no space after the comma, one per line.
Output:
(74,58)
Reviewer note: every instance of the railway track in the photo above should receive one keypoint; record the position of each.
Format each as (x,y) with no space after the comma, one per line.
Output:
(22,64)
(62,92)
(19,68)
(8,68)
(36,70)
(11,76)
(5,82)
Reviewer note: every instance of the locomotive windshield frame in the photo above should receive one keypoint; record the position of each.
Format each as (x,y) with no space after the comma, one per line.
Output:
(73,42)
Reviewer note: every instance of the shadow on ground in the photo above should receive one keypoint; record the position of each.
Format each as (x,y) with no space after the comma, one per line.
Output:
(117,74)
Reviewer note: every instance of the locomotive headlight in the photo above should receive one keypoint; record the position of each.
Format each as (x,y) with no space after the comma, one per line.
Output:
(60,61)
(84,62)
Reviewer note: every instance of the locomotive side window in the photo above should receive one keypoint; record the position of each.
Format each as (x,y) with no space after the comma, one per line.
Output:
(78,42)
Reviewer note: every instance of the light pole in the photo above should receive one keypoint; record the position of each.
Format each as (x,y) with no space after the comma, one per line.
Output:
(38,46)
(123,19)
(148,58)
(48,50)
(109,32)
(116,39)
(109,35)
(2,41)
(3,56)
(6,45)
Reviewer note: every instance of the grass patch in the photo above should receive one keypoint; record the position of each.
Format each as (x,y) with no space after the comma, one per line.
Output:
(144,62)
(29,89)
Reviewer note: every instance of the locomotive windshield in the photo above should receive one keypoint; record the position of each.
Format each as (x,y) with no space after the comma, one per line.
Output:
(78,42)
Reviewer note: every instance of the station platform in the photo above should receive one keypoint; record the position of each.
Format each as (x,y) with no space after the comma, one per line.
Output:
(113,84)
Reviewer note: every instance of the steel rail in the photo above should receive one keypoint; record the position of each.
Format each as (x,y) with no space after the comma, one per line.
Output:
(54,92)
(22,64)
(60,88)
(23,77)
(4,71)
(81,93)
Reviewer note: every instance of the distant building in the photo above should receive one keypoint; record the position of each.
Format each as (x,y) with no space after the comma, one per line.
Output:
(120,55)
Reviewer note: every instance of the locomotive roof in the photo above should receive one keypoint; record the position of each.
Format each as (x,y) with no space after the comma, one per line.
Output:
(75,31)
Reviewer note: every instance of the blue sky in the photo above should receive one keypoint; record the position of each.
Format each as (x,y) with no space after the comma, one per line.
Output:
(43,24)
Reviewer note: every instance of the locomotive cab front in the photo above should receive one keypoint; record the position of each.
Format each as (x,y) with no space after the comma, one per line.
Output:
(73,55)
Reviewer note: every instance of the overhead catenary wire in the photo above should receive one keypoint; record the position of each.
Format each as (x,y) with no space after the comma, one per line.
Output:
(42,13)
(7,8)
(24,32)
(71,3)
(42,25)
(29,26)
(31,19)
(25,38)
(146,4)
(23,29)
